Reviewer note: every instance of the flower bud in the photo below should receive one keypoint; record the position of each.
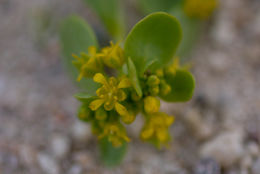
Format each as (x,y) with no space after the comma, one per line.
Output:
(164,88)
(153,80)
(84,113)
(154,90)
(151,105)
(100,114)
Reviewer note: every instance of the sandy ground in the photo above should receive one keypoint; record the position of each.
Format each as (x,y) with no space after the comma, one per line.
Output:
(217,132)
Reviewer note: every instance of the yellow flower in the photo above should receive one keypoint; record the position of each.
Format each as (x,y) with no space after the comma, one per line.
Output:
(110,94)
(115,132)
(200,8)
(157,126)
(113,55)
(88,64)
(151,105)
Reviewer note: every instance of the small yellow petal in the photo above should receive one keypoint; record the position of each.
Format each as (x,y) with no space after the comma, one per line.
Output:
(80,76)
(94,105)
(120,109)
(100,78)
(92,50)
(124,83)
(76,57)
(121,95)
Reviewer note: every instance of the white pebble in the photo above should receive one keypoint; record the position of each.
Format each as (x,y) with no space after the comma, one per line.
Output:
(253,149)
(81,131)
(226,148)
(60,146)
(48,164)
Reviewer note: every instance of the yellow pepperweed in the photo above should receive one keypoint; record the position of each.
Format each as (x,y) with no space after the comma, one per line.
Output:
(156,127)
(113,55)
(201,9)
(88,64)
(110,94)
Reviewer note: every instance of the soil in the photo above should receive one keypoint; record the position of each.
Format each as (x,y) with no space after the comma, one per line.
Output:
(218,131)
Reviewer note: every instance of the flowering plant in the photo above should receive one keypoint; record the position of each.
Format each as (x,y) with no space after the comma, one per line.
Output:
(121,82)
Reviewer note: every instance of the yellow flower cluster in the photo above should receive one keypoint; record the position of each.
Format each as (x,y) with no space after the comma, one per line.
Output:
(89,64)
(156,128)
(116,102)
(201,9)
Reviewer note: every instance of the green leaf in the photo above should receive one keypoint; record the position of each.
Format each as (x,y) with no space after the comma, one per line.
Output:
(191,31)
(153,41)
(182,86)
(150,6)
(75,37)
(110,155)
(111,14)
(84,97)
(133,77)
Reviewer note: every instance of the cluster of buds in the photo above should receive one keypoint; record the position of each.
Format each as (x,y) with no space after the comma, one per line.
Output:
(201,9)
(116,103)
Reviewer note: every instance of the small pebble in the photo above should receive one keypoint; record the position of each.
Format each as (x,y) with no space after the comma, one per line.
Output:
(253,149)
(201,129)
(75,169)
(207,166)
(246,162)
(48,164)
(60,146)
(226,148)
(81,131)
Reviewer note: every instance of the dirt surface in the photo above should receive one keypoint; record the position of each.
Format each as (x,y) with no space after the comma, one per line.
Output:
(218,131)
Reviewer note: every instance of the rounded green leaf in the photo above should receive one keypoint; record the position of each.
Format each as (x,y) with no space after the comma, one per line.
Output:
(153,41)
(75,37)
(182,86)
(110,155)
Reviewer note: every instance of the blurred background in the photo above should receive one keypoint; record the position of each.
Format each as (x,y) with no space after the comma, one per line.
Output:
(218,131)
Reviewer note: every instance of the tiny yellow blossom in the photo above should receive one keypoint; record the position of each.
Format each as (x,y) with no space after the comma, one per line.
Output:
(151,105)
(157,126)
(113,55)
(110,94)
(88,64)
(200,8)
(115,132)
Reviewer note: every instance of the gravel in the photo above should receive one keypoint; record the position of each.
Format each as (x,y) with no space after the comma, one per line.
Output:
(39,131)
